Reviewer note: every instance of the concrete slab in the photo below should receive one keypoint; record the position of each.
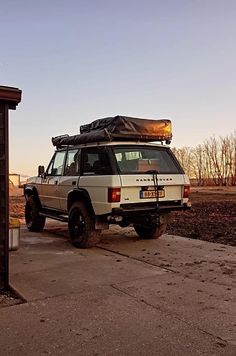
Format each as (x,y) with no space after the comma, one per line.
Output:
(47,265)
(171,296)
(204,305)
(196,259)
(201,288)
(102,322)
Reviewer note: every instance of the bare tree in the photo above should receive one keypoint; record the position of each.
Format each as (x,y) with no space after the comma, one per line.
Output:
(184,156)
(212,150)
(213,162)
(232,159)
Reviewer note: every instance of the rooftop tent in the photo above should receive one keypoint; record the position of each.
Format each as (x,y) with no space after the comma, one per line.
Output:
(119,128)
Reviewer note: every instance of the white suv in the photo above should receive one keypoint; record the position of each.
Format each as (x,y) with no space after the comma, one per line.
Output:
(92,185)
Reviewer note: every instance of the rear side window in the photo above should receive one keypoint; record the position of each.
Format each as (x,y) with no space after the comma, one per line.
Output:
(133,159)
(95,161)
(72,163)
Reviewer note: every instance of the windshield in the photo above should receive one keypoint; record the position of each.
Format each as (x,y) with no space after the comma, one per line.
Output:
(141,159)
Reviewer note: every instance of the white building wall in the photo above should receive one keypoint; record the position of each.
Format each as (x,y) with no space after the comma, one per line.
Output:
(14,179)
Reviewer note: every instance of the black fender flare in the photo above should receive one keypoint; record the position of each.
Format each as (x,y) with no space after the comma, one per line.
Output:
(30,190)
(80,194)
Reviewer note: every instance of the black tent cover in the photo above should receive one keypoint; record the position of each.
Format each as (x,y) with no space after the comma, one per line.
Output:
(119,128)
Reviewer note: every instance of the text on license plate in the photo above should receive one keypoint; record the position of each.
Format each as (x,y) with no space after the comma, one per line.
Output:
(144,194)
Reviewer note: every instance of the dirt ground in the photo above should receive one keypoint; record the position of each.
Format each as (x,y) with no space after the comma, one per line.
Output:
(212,217)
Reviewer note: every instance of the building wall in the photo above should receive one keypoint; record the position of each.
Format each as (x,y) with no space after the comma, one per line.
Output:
(14,179)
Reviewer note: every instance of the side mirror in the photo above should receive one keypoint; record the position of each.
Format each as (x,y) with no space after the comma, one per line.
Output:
(41,171)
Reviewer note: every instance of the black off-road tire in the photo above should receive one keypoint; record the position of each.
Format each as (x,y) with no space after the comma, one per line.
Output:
(152,232)
(34,221)
(81,225)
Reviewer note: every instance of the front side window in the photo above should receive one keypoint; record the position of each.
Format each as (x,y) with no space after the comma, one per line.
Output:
(55,167)
(95,161)
(133,159)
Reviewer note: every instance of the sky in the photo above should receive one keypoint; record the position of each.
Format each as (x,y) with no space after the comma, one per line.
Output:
(76,61)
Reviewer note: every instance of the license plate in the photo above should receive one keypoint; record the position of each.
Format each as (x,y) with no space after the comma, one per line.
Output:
(145,194)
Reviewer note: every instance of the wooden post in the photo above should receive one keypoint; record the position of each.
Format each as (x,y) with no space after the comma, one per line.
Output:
(9,99)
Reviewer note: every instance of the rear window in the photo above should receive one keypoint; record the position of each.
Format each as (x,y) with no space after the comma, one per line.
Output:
(142,159)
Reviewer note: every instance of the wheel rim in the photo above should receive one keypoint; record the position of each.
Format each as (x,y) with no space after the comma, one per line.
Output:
(77,224)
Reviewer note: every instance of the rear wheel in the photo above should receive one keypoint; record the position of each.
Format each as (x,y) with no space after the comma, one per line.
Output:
(154,231)
(34,221)
(81,226)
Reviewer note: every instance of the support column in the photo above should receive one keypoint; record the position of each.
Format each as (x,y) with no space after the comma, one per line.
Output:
(4,195)
(9,98)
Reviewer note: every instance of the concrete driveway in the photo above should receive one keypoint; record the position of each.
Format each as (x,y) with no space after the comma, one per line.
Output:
(172,296)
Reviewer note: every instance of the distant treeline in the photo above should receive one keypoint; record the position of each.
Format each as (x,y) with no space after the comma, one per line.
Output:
(210,163)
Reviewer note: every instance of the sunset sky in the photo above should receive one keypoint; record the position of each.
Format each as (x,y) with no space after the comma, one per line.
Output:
(77,61)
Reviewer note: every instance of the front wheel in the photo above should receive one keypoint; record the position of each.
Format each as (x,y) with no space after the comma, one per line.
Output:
(34,221)
(81,226)
(154,231)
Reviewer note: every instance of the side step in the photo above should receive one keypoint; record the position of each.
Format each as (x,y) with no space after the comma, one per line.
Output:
(54,216)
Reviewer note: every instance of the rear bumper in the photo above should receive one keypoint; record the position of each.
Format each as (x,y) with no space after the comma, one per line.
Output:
(141,208)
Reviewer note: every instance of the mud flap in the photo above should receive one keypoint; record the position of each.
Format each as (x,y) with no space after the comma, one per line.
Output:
(100,224)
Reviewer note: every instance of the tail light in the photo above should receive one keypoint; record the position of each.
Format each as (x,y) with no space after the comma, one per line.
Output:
(113,195)
(186,191)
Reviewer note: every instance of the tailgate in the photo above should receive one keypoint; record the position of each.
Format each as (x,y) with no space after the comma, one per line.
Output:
(140,188)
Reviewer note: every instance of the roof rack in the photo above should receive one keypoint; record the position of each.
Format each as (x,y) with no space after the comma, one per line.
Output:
(119,128)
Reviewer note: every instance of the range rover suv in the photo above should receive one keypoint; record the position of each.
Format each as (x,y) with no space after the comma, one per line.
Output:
(93,185)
